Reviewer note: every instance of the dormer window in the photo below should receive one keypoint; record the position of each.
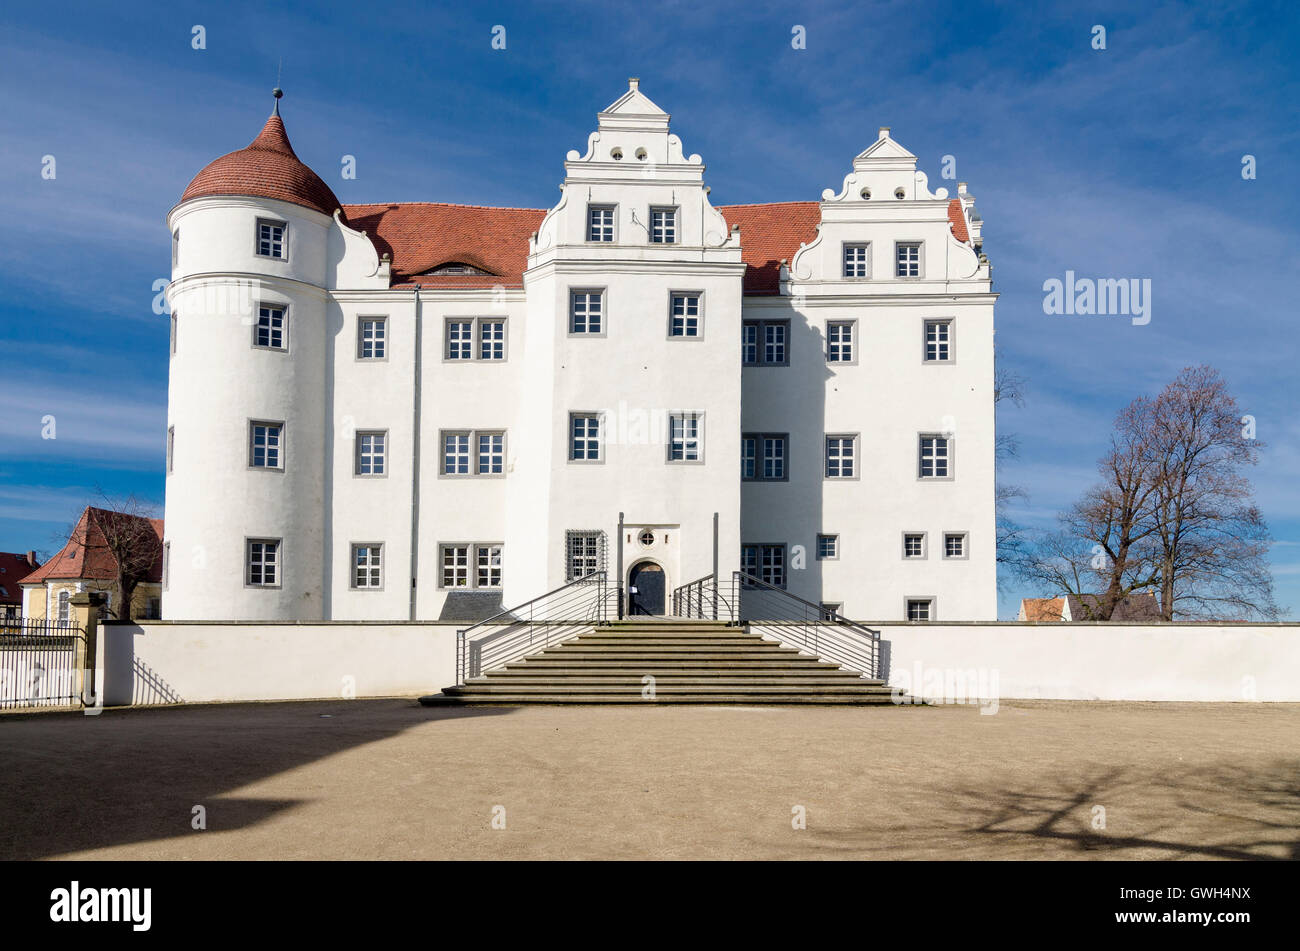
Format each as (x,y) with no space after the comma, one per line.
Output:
(270,239)
(600,223)
(663,225)
(456,267)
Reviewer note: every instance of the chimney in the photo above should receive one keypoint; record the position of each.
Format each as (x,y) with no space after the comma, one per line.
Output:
(31,559)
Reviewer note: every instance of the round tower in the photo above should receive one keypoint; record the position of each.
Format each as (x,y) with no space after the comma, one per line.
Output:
(246,476)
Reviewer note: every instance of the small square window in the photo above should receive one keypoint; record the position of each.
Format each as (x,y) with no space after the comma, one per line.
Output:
(371,453)
(368,566)
(585,310)
(954,545)
(841,457)
(663,225)
(264,445)
(270,239)
(828,547)
(914,545)
(262,562)
(584,437)
(839,341)
(684,319)
(935,457)
(684,443)
(909,259)
(938,341)
(857,260)
(600,223)
(268,332)
(372,338)
(920,609)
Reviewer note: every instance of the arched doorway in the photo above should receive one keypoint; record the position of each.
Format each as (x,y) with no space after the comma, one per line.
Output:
(646,588)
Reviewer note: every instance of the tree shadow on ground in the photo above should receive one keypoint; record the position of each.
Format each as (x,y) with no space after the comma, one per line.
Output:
(75,783)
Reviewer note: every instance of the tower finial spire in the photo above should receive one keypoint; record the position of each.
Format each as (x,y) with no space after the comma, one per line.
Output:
(277,92)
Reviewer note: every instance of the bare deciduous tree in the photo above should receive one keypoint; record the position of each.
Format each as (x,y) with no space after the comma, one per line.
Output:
(1172,514)
(120,528)
(1008,387)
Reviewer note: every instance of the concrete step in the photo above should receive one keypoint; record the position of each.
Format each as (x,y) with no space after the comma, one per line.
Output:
(633,682)
(552,661)
(786,699)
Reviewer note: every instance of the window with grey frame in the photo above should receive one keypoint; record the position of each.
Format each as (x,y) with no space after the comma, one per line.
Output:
(372,338)
(857,259)
(269,331)
(600,223)
(828,547)
(584,553)
(684,315)
(764,343)
(938,341)
(839,341)
(584,437)
(473,452)
(271,238)
(372,453)
(368,566)
(265,444)
(262,562)
(908,259)
(586,311)
(663,225)
(935,457)
(841,457)
(764,562)
(684,437)
(763,457)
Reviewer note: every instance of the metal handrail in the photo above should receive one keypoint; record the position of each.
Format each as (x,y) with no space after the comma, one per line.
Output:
(571,596)
(695,592)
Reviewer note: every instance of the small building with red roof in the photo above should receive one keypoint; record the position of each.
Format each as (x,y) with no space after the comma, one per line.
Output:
(89,561)
(422,409)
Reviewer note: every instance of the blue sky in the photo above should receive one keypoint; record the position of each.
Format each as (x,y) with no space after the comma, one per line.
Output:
(1124,162)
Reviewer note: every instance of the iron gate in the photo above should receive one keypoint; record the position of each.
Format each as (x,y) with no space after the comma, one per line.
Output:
(38,663)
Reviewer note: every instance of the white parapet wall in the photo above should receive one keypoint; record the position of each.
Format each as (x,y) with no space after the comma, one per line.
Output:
(1096,661)
(189,662)
(199,662)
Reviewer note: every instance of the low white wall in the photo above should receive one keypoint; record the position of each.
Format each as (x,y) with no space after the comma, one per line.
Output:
(1096,661)
(188,662)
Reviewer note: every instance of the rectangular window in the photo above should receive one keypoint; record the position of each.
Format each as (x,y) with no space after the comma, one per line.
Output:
(65,607)
(269,330)
(763,342)
(909,259)
(954,545)
(684,438)
(914,544)
(488,560)
(584,553)
(264,441)
(455,453)
(455,566)
(167,564)
(372,338)
(935,461)
(764,562)
(263,562)
(839,341)
(857,260)
(663,225)
(684,320)
(460,340)
(841,462)
(367,566)
(491,339)
(491,453)
(270,238)
(920,609)
(600,223)
(173,334)
(938,341)
(371,448)
(171,448)
(585,312)
(763,456)
(828,547)
(584,437)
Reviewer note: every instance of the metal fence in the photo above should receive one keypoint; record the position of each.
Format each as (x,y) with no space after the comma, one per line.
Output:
(38,663)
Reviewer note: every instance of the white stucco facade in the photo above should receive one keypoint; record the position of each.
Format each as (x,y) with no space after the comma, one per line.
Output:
(635,373)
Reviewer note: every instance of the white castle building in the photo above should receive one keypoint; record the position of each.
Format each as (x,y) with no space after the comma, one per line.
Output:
(419,410)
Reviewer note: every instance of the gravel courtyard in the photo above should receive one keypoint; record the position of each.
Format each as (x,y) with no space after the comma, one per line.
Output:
(388,779)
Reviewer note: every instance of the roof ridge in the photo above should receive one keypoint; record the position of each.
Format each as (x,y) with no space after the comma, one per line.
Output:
(441,204)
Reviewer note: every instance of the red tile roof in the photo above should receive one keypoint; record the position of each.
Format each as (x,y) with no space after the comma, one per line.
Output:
(422,236)
(265,168)
(86,556)
(14,567)
(958,219)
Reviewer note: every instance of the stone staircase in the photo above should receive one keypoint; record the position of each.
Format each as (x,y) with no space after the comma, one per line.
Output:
(690,662)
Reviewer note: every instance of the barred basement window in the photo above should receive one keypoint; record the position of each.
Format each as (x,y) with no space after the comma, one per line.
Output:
(584,553)
(367,566)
